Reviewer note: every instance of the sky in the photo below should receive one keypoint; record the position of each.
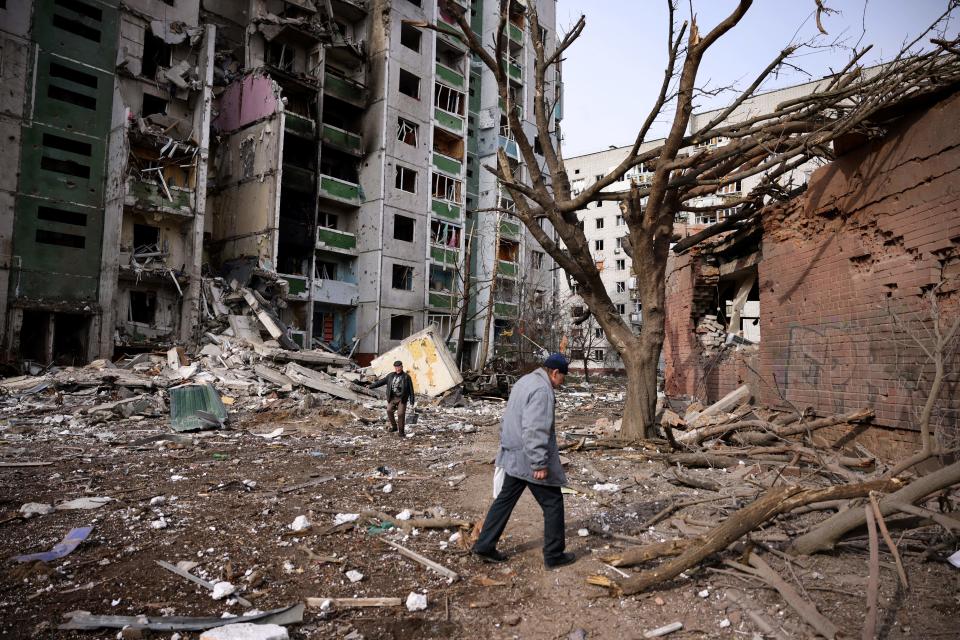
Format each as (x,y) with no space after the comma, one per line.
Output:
(612,73)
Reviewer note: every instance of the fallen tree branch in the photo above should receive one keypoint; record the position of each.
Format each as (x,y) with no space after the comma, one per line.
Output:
(427,562)
(691,481)
(888,540)
(947,523)
(761,437)
(756,615)
(873,582)
(418,523)
(637,555)
(826,534)
(772,503)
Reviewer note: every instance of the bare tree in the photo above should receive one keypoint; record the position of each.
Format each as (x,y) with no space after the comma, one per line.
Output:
(851,102)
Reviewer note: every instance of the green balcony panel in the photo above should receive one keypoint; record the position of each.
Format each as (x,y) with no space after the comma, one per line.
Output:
(514,71)
(299,125)
(332,238)
(505,309)
(509,229)
(515,33)
(298,285)
(442,300)
(344,89)
(444,255)
(447,164)
(446,209)
(507,269)
(448,120)
(449,76)
(150,196)
(340,190)
(341,138)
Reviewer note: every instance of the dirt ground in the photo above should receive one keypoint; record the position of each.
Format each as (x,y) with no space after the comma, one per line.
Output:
(191,498)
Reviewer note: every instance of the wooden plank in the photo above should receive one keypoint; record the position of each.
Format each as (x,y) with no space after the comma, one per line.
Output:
(427,562)
(200,581)
(727,403)
(344,603)
(14,465)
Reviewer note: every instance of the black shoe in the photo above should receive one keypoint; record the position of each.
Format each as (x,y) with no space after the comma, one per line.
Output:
(560,561)
(391,429)
(490,556)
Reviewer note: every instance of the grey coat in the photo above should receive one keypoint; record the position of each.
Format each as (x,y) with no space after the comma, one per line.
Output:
(528,440)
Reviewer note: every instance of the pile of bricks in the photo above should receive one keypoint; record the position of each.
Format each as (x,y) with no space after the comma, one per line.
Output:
(713,335)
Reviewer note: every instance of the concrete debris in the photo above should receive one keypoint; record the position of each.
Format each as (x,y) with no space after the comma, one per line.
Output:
(426,358)
(31,509)
(246,631)
(416,601)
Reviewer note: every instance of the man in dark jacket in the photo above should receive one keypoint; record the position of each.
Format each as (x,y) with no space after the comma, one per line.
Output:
(531,460)
(399,393)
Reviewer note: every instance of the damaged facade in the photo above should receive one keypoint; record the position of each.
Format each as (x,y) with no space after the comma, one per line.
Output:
(287,145)
(827,303)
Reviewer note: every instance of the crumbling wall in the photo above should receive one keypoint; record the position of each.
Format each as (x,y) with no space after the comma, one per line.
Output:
(845,270)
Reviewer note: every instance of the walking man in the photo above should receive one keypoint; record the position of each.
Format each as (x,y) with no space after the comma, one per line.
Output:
(530,459)
(399,393)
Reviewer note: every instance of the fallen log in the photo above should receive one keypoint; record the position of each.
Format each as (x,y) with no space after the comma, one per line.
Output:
(758,437)
(699,435)
(826,534)
(772,503)
(638,555)
(691,481)
(728,402)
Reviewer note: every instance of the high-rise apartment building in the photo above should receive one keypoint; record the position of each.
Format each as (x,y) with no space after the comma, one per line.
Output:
(333,149)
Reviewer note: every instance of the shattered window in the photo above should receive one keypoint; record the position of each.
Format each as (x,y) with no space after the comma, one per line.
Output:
(402,277)
(406,179)
(407,132)
(403,228)
(400,327)
(327,220)
(446,188)
(444,234)
(410,37)
(536,259)
(409,84)
(621,286)
(448,99)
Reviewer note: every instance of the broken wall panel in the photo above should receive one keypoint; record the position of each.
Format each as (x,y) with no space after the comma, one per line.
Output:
(426,358)
(246,101)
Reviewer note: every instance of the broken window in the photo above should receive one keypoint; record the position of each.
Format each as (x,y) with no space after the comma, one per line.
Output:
(152,105)
(281,55)
(407,132)
(145,237)
(448,99)
(536,259)
(143,307)
(444,234)
(410,36)
(43,236)
(448,144)
(621,286)
(65,18)
(406,179)
(446,188)
(576,354)
(621,308)
(156,54)
(443,321)
(402,277)
(58,72)
(597,332)
(537,147)
(441,279)
(508,250)
(409,84)
(328,220)
(59,215)
(324,270)
(400,327)
(733,187)
(403,228)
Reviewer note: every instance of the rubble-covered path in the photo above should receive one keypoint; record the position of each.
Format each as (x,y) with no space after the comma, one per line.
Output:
(282,508)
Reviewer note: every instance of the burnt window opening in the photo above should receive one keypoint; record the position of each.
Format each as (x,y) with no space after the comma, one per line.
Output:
(400,327)
(152,105)
(143,307)
(69,240)
(281,55)
(51,141)
(409,84)
(410,37)
(156,54)
(403,228)
(66,167)
(64,217)
(66,95)
(74,26)
(82,8)
(402,277)
(145,235)
(339,165)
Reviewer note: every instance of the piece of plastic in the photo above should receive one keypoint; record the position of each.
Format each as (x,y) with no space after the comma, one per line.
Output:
(65,546)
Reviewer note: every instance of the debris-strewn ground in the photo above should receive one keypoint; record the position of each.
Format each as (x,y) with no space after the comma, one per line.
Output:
(226,500)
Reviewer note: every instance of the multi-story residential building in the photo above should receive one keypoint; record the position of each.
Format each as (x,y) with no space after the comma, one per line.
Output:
(333,147)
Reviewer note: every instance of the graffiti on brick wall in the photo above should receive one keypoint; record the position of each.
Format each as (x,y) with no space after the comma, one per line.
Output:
(825,359)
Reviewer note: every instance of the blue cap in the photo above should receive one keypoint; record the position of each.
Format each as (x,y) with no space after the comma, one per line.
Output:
(556,361)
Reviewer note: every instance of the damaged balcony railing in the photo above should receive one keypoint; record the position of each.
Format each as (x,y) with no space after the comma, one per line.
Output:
(151,258)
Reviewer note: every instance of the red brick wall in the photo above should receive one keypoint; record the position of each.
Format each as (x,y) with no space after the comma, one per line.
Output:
(680,349)
(875,229)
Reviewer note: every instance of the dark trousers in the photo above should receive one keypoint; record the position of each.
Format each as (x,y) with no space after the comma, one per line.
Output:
(551,502)
(397,414)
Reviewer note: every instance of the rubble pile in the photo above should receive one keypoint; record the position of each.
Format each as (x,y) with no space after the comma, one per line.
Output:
(712,334)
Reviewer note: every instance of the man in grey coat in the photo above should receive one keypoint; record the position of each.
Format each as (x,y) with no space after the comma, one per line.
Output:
(530,459)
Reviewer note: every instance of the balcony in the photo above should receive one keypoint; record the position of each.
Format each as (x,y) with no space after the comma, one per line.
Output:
(505,309)
(506,268)
(509,229)
(347,90)
(447,164)
(509,147)
(336,292)
(444,255)
(340,190)
(152,198)
(298,286)
(336,241)
(636,318)
(341,139)
(514,71)
(450,76)
(514,32)
(442,300)
(447,120)
(299,125)
(297,178)
(446,209)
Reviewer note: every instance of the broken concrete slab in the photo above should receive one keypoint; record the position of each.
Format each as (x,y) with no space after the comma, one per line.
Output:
(319,382)
(87,621)
(246,631)
(271,375)
(426,358)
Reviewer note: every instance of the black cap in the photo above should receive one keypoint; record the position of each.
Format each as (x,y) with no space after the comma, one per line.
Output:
(398,364)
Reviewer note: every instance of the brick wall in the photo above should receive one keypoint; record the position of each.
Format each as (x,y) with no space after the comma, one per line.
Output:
(680,349)
(844,269)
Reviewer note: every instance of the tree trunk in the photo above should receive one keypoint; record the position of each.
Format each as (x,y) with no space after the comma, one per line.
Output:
(586,369)
(491,300)
(465,303)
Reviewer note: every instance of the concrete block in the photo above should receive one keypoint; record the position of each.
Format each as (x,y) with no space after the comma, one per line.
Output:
(246,631)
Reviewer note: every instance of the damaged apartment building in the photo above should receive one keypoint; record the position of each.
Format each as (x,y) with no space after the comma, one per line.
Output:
(835,300)
(326,153)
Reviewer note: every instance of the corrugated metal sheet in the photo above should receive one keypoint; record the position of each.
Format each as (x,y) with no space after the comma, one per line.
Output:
(196,406)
